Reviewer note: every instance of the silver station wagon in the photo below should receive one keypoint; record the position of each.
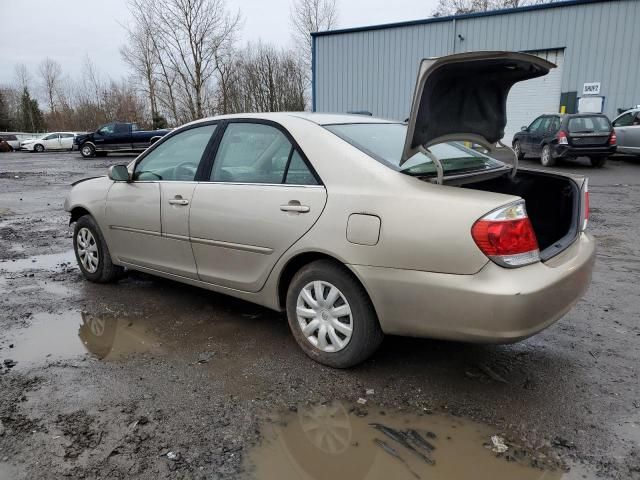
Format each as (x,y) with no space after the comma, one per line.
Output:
(355,226)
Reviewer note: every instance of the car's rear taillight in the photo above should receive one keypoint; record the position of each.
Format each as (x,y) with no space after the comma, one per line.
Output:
(562,138)
(506,236)
(613,138)
(585,204)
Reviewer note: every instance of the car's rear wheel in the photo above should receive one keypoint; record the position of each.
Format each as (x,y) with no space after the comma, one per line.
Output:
(517,148)
(598,162)
(87,150)
(546,157)
(331,315)
(38,148)
(92,253)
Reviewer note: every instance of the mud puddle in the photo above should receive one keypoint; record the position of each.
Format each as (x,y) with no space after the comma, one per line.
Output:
(335,441)
(40,262)
(210,339)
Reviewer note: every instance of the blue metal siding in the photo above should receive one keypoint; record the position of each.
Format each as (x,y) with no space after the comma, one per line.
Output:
(374,68)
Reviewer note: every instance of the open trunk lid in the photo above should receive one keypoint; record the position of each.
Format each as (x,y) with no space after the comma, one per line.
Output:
(464,97)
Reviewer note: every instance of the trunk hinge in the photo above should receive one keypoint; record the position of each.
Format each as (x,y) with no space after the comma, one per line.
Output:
(436,161)
(477,140)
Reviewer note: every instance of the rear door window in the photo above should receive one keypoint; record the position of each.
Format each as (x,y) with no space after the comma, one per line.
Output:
(588,124)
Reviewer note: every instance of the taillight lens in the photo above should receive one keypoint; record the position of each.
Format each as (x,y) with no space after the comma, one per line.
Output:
(562,138)
(613,138)
(506,236)
(585,208)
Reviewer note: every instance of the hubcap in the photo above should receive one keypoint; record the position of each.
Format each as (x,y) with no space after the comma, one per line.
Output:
(324,316)
(516,148)
(86,151)
(545,156)
(87,250)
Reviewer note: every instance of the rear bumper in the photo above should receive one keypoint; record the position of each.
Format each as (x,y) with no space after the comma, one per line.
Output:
(571,151)
(496,305)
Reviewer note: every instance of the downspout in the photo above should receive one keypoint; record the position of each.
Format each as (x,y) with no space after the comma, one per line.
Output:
(313,72)
(453,38)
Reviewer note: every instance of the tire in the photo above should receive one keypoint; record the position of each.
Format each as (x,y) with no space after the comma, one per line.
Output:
(104,271)
(38,148)
(366,334)
(518,149)
(546,157)
(598,162)
(87,150)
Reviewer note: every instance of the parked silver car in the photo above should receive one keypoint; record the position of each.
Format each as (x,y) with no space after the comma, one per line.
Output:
(356,226)
(627,127)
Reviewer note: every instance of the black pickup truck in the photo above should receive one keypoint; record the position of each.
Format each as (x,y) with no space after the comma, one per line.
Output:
(116,137)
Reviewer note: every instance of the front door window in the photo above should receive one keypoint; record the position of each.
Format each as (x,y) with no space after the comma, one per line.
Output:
(177,158)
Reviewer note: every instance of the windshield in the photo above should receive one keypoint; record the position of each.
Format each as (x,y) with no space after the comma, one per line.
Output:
(589,124)
(385,142)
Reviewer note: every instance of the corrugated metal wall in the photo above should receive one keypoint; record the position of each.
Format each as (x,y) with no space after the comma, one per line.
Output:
(375,70)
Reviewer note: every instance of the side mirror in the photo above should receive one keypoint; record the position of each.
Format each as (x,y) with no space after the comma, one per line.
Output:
(524,129)
(119,173)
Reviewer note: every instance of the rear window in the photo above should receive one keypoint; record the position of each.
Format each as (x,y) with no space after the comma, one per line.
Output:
(589,124)
(385,142)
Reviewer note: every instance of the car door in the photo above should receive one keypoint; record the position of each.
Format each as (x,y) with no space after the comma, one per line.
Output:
(149,216)
(121,138)
(66,141)
(261,197)
(627,127)
(538,134)
(526,145)
(52,142)
(103,137)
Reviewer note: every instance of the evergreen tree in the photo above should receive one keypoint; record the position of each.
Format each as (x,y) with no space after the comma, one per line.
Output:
(30,116)
(6,123)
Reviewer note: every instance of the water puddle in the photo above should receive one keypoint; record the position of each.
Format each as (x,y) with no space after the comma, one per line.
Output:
(207,339)
(334,441)
(52,337)
(40,262)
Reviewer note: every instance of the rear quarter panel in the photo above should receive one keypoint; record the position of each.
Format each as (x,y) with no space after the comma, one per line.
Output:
(423,226)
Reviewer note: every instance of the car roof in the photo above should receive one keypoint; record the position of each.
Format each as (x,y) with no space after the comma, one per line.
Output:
(317,118)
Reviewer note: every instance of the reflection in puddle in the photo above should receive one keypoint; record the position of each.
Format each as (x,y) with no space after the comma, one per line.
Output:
(327,442)
(54,337)
(40,262)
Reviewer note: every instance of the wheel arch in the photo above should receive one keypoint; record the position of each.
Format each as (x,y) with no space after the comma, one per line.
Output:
(295,263)
(77,212)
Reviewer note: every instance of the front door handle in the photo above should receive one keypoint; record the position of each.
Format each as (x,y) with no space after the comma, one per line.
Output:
(294,206)
(178,200)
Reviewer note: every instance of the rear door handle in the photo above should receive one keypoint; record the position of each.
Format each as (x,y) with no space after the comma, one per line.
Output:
(291,207)
(178,200)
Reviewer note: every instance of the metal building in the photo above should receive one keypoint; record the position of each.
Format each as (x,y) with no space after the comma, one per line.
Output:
(594,43)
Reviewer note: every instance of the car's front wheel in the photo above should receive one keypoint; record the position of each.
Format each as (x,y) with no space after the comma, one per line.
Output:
(92,253)
(331,315)
(598,162)
(38,148)
(546,158)
(87,150)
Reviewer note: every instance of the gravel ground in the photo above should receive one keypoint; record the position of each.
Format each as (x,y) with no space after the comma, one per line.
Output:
(109,379)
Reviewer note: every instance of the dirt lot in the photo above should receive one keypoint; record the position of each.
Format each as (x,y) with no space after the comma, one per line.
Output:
(152,379)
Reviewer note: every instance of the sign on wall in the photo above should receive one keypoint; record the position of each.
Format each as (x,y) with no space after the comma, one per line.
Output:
(592,88)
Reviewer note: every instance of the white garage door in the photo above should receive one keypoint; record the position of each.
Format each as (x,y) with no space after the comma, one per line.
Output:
(532,98)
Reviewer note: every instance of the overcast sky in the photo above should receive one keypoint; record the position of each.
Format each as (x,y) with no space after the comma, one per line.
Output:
(67,30)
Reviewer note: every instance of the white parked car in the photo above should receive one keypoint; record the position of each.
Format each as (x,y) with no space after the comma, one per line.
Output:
(50,141)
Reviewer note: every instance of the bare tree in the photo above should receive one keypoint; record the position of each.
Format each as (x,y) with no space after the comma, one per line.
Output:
(457,7)
(309,16)
(22,76)
(50,73)
(187,34)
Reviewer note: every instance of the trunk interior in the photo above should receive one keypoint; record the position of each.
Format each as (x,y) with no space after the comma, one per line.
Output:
(552,202)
